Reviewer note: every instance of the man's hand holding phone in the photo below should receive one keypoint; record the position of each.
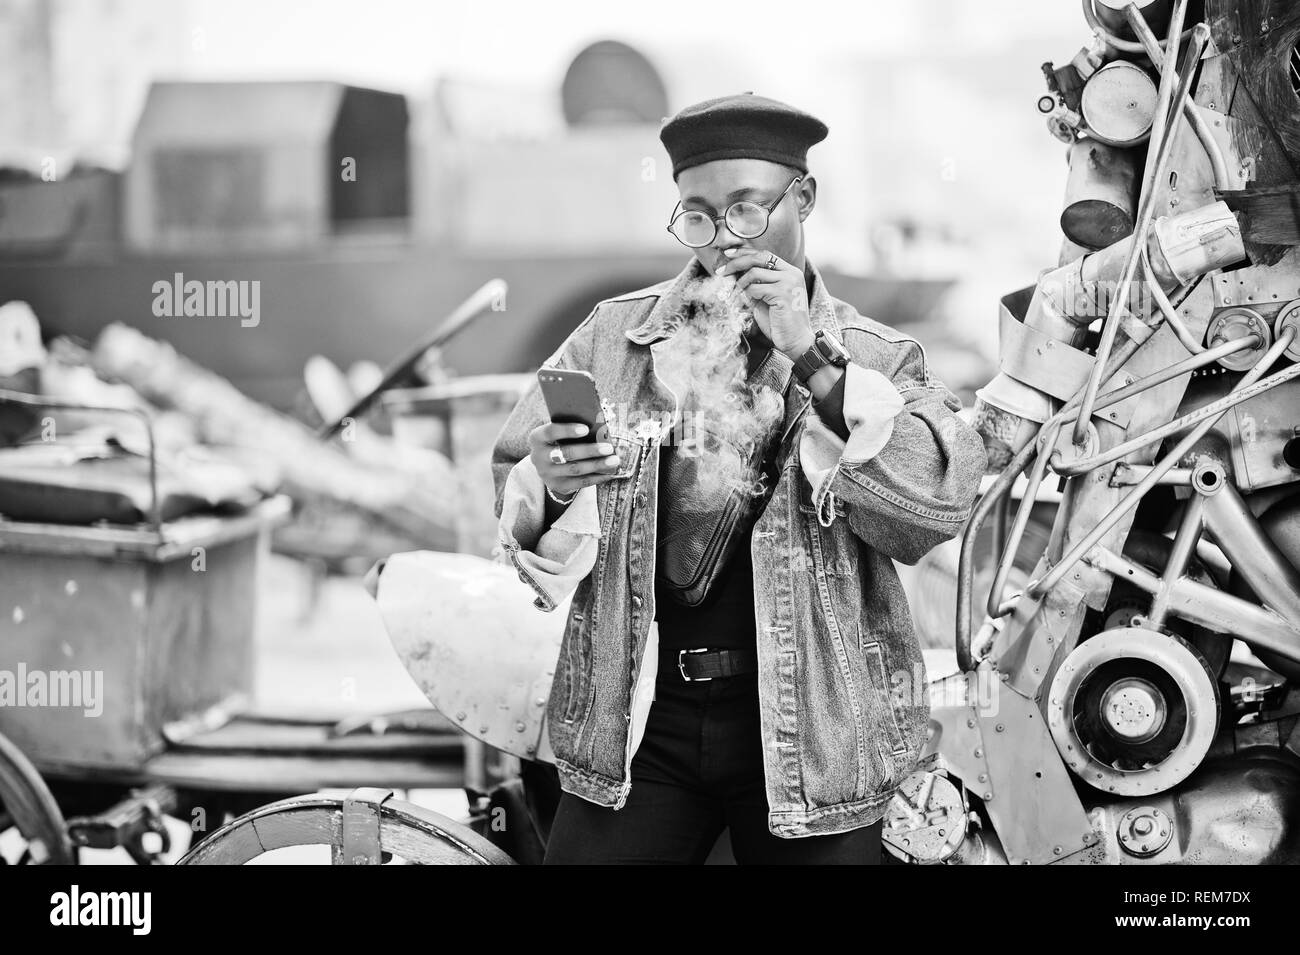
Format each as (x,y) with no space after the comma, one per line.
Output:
(566,463)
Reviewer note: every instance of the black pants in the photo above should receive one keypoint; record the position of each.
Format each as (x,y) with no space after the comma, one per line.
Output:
(698,770)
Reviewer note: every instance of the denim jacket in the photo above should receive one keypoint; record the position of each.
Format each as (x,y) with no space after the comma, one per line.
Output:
(843,702)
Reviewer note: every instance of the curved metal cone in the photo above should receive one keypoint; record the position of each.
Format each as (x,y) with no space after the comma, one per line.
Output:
(467,631)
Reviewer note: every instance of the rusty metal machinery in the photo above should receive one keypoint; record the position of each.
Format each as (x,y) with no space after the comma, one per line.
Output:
(1137,700)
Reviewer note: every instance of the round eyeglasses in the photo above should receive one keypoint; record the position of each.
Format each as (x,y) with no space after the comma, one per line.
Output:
(745,219)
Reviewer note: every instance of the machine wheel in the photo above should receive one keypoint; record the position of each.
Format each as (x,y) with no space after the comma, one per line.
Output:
(27,804)
(368,827)
(1133,711)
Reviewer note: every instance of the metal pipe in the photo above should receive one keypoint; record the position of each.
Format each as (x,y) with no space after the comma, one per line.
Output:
(1189,530)
(1199,126)
(1181,332)
(1215,408)
(1210,607)
(1129,501)
(1047,435)
(1253,553)
(1000,487)
(1146,209)
(996,606)
(1124,46)
(1162,120)
(1001,512)
(1167,307)
(1129,474)
(490,295)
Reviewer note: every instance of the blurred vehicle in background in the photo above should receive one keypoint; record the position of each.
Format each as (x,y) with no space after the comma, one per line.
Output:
(359,225)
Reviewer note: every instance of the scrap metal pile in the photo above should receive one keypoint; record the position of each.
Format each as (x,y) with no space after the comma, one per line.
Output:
(130,432)
(1139,700)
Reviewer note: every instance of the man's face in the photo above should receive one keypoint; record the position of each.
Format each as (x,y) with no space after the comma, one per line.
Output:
(712,186)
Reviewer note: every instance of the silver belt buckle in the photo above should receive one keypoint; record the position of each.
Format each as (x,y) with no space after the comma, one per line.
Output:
(681,665)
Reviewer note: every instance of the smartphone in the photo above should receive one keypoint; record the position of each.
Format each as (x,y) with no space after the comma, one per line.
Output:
(571,398)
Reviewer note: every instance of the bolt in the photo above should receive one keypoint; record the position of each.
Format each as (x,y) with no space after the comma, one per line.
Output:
(999,728)
(1056,850)
(979,753)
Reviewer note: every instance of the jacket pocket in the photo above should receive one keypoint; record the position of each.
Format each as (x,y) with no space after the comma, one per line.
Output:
(577,663)
(885,689)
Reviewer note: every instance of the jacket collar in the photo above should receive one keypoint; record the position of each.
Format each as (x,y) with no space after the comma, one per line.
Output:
(666,315)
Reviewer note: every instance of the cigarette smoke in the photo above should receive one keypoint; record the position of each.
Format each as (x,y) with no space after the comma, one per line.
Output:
(726,421)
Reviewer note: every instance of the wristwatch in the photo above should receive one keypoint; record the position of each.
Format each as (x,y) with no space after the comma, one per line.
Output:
(825,350)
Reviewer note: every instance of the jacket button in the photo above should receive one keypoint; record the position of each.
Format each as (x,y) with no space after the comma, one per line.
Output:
(636,601)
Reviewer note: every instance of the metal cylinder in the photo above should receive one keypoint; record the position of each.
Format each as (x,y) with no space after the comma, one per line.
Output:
(1007,415)
(1119,104)
(1154,12)
(1101,194)
(1199,241)
(1289,317)
(1234,323)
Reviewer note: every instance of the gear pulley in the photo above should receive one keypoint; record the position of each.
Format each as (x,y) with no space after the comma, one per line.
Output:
(1133,711)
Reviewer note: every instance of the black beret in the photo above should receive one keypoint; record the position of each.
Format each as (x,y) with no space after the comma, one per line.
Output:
(743,126)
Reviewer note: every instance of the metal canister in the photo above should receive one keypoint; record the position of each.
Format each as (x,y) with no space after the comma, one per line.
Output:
(1154,12)
(1100,194)
(1199,241)
(1118,104)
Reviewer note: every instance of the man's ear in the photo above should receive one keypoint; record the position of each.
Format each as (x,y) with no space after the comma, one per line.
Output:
(806,197)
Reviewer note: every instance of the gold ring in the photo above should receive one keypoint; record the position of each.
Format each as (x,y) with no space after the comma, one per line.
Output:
(557,456)
(771,262)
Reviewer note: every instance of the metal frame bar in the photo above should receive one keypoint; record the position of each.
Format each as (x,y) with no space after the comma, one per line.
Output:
(54,404)
(1226,403)
(1200,36)
(1155,54)
(1189,530)
(1130,500)
(997,607)
(1210,607)
(1270,575)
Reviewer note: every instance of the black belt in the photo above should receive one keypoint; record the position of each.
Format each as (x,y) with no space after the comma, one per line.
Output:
(700,664)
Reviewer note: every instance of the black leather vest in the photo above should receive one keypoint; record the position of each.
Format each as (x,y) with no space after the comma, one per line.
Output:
(702,524)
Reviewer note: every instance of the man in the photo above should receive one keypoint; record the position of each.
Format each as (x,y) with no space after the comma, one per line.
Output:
(738,653)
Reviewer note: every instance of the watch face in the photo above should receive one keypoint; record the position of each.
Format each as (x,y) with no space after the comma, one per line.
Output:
(830,349)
